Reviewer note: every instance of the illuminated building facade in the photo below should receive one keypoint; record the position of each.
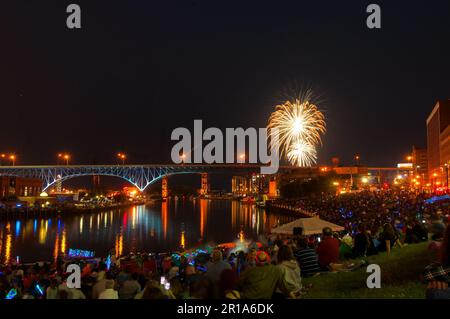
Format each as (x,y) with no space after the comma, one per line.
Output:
(17,186)
(250,185)
(438,142)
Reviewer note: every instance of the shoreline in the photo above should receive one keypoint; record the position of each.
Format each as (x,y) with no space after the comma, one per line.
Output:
(287,210)
(25,213)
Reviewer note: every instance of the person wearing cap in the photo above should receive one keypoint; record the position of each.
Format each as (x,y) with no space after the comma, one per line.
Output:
(260,282)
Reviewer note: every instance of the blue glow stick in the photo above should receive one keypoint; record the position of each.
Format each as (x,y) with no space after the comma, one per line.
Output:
(11,294)
(108,262)
(39,289)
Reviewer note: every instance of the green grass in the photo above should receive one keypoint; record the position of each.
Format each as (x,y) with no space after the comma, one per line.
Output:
(400,277)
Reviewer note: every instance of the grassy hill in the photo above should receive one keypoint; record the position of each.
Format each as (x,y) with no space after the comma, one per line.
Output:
(400,277)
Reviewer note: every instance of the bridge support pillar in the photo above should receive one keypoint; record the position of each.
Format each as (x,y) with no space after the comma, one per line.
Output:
(204,190)
(164,188)
(58,184)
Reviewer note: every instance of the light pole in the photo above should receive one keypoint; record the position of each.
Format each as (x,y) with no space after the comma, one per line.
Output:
(13,159)
(446,175)
(63,157)
(66,158)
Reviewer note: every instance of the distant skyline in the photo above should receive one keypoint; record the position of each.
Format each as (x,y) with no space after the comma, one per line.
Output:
(137,70)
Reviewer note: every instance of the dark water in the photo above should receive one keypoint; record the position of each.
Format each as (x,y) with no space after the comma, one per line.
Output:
(157,228)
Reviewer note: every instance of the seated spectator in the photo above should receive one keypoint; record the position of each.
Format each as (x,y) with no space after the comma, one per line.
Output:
(388,238)
(216,266)
(154,293)
(290,271)
(191,276)
(260,282)
(130,287)
(109,292)
(227,282)
(52,290)
(437,227)
(307,258)
(98,288)
(438,275)
(201,289)
(362,242)
(421,232)
(328,249)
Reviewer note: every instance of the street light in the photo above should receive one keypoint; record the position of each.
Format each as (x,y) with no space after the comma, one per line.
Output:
(242,158)
(64,157)
(357,159)
(122,157)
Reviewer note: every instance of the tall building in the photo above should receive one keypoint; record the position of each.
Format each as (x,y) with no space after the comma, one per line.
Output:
(250,184)
(438,142)
(420,162)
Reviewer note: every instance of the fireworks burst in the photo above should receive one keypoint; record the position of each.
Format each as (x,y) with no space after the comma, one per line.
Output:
(300,125)
(302,153)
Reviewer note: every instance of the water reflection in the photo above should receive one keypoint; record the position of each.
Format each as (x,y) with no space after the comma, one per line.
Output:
(167,226)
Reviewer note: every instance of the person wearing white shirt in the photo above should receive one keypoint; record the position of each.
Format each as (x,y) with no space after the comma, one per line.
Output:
(109,292)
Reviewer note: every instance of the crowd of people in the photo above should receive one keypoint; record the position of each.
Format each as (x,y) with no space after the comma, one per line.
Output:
(405,210)
(374,222)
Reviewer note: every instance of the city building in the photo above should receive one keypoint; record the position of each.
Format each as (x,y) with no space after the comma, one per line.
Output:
(20,187)
(438,143)
(250,185)
(420,162)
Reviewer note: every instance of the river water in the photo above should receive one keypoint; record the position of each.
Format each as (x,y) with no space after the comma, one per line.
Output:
(161,227)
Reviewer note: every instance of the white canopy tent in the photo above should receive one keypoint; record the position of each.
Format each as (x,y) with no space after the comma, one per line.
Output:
(310,226)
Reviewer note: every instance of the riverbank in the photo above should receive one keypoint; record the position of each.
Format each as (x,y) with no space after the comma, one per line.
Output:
(286,209)
(30,212)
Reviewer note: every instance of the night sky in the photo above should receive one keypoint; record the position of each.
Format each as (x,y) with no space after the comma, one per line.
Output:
(138,69)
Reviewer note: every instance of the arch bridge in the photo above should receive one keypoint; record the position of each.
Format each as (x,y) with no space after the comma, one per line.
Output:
(140,176)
